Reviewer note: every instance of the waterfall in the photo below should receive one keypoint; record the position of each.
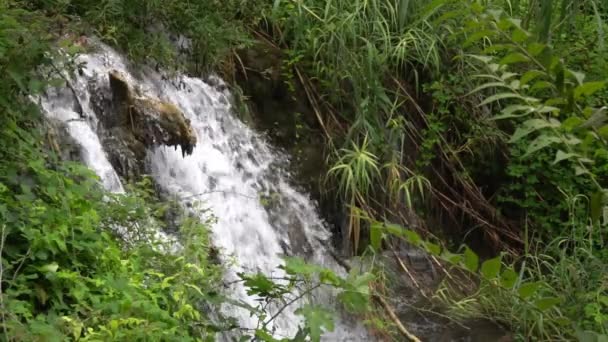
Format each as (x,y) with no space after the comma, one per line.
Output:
(232,170)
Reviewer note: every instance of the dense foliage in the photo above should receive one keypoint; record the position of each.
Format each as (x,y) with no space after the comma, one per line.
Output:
(486,118)
(79,263)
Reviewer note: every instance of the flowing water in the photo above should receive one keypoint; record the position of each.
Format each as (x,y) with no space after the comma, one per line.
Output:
(232,171)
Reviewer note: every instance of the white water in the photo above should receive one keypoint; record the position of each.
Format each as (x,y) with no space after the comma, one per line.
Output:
(230,169)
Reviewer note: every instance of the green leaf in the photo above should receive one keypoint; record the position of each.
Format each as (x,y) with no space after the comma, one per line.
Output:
(491,268)
(530,76)
(603,131)
(561,155)
(49,268)
(432,248)
(578,76)
(375,235)
(529,289)
(475,37)
(259,285)
(571,123)
(297,266)
(471,260)
(264,336)
(588,89)
(536,49)
(540,85)
(355,296)
(450,257)
(508,278)
(487,85)
(539,143)
(530,126)
(596,206)
(412,237)
(509,112)
(501,96)
(519,35)
(544,304)
(317,320)
(329,277)
(515,57)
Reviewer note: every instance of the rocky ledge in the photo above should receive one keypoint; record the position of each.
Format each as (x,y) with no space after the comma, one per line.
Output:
(151,121)
(133,123)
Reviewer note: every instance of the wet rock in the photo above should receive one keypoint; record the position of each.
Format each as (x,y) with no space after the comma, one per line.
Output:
(151,122)
(60,141)
(126,154)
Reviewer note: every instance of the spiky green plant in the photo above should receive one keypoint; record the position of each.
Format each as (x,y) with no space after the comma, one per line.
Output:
(355,171)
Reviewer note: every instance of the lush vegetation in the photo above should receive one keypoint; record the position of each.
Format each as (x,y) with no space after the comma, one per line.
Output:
(79,263)
(486,118)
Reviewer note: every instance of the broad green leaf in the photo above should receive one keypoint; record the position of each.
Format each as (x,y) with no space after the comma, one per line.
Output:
(515,57)
(540,85)
(530,126)
(544,304)
(603,131)
(412,237)
(536,49)
(519,35)
(508,278)
(486,86)
(297,266)
(509,112)
(530,76)
(471,260)
(500,96)
(50,268)
(546,109)
(527,290)
(450,257)
(596,119)
(578,76)
(491,268)
(329,277)
(432,248)
(264,336)
(477,36)
(578,171)
(481,58)
(571,123)
(561,155)
(395,229)
(539,143)
(588,89)
(259,285)
(556,101)
(317,320)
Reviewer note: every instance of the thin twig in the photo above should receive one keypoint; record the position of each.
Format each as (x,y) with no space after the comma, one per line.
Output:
(298,297)
(396,320)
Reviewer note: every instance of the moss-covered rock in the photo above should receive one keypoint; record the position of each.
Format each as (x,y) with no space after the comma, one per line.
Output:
(151,122)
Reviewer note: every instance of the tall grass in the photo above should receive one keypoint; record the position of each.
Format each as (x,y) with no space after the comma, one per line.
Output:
(570,271)
(354,45)
(351,50)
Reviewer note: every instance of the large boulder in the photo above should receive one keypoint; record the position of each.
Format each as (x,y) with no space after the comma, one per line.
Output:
(150,121)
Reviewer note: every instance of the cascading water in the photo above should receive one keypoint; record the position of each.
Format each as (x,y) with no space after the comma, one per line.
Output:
(230,170)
